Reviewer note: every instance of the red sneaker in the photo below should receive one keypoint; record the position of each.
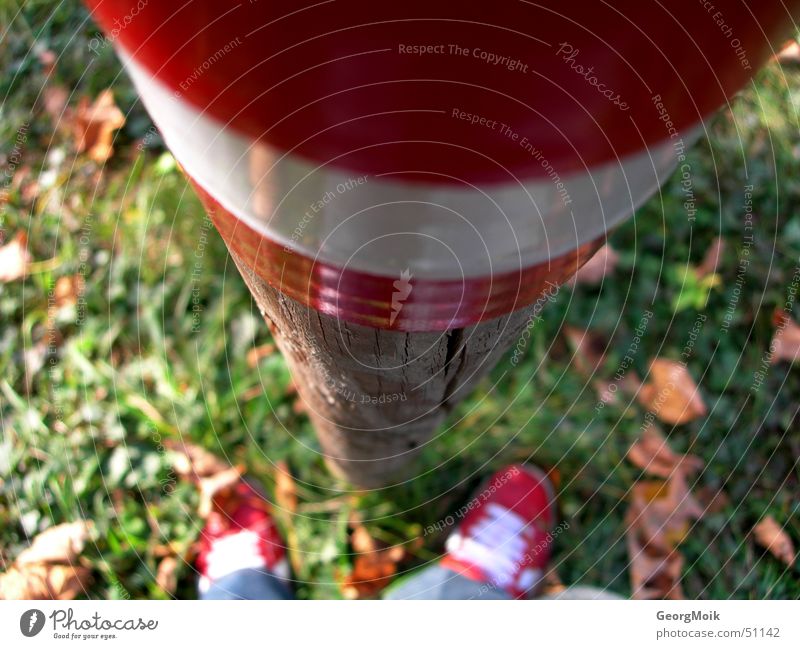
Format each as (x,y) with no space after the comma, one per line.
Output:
(505,536)
(239,534)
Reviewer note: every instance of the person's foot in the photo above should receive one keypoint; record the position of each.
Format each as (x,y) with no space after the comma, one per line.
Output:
(505,535)
(238,535)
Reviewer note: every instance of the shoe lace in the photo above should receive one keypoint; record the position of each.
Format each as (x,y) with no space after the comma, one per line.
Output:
(496,544)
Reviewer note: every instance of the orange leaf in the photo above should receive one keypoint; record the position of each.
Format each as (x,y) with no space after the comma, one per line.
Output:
(774,538)
(785,345)
(652,454)
(66,290)
(662,511)
(14,258)
(654,576)
(373,567)
(658,519)
(94,126)
(671,394)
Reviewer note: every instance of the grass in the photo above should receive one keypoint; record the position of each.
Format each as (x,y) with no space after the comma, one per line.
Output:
(83,435)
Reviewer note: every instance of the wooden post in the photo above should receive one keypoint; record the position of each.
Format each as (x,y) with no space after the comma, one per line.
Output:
(377,396)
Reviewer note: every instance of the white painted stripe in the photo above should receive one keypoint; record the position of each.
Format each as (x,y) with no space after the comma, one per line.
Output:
(380,225)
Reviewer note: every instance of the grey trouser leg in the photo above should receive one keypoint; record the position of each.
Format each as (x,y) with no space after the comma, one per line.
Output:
(436,582)
(249,583)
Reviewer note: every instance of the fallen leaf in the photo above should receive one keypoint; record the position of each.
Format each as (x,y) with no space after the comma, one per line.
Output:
(255,355)
(48,60)
(94,125)
(67,289)
(166,575)
(652,454)
(551,583)
(710,262)
(60,544)
(215,486)
(770,535)
(54,102)
(285,488)
(33,360)
(654,576)
(603,262)
(44,581)
(194,462)
(589,350)
(785,345)
(662,512)
(671,393)
(373,567)
(658,519)
(15,258)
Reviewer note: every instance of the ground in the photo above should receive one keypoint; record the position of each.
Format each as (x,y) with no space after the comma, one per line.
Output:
(156,350)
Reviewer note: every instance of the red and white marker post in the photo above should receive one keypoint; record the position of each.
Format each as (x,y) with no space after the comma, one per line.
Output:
(398,183)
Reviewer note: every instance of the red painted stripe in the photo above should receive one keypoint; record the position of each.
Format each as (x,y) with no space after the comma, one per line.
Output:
(329,82)
(366,299)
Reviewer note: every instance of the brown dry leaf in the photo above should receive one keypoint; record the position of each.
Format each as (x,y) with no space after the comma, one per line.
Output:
(54,101)
(770,535)
(166,575)
(589,350)
(652,454)
(551,583)
(33,359)
(671,394)
(285,488)
(193,462)
(657,520)
(373,567)
(60,544)
(785,345)
(662,512)
(593,271)
(217,485)
(710,262)
(257,353)
(654,576)
(67,289)
(48,60)
(15,258)
(44,581)
(94,125)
